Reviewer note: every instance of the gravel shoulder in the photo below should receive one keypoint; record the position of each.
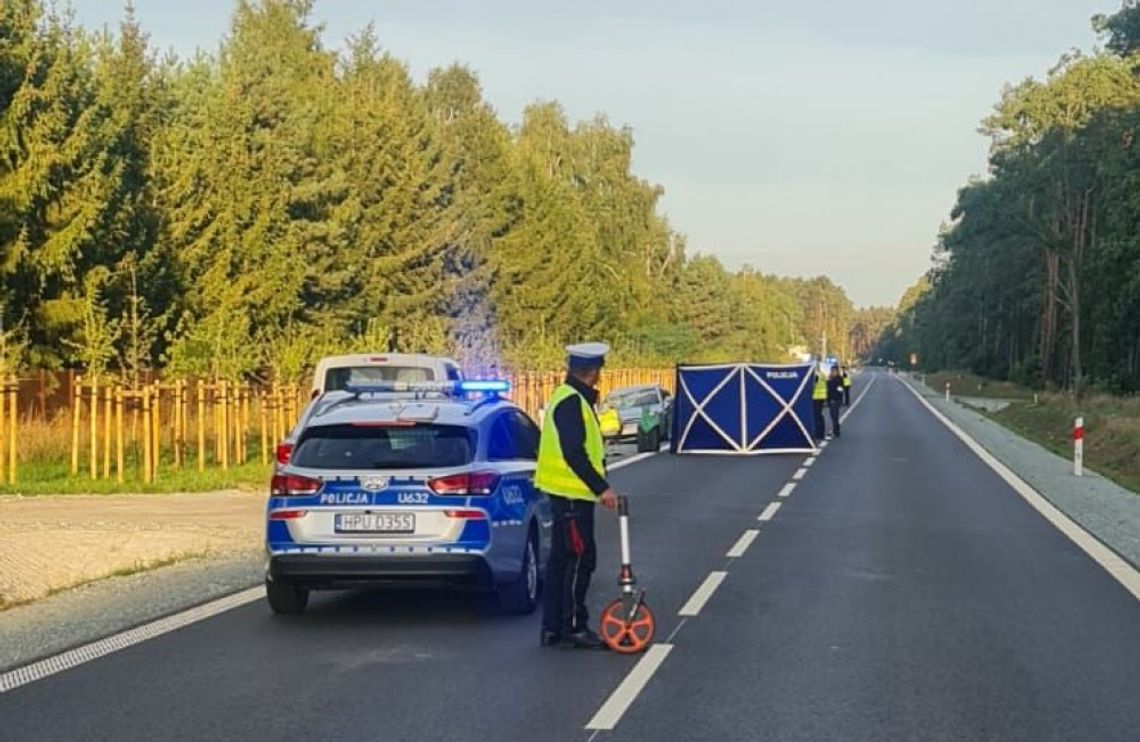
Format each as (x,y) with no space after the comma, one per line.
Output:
(1102,507)
(76,568)
(49,544)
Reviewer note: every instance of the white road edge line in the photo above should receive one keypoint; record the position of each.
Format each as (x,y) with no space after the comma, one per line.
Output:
(619,701)
(742,543)
(799,473)
(1121,570)
(73,658)
(702,594)
(787,489)
(769,512)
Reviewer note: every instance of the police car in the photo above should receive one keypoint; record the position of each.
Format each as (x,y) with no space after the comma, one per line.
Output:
(408,482)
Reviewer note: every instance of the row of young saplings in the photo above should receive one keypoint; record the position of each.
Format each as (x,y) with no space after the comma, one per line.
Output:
(201,423)
(172,425)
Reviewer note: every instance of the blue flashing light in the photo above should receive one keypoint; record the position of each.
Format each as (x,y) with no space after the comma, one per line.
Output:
(493,386)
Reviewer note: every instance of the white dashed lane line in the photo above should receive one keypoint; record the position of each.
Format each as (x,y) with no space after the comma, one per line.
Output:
(810,460)
(619,701)
(742,544)
(799,474)
(702,595)
(769,512)
(787,489)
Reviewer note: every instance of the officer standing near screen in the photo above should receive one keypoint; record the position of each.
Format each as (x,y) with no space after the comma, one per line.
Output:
(571,471)
(818,402)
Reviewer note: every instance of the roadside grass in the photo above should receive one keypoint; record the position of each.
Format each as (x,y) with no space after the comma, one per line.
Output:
(46,477)
(1112,431)
(1112,424)
(965,384)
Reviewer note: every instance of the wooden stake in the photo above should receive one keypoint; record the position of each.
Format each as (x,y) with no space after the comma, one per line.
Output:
(264,414)
(3,431)
(201,426)
(223,432)
(119,434)
(147,440)
(176,429)
(77,411)
(156,431)
(108,405)
(13,418)
(94,467)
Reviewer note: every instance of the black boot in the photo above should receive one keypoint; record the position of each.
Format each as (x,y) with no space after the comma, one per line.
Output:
(584,639)
(550,638)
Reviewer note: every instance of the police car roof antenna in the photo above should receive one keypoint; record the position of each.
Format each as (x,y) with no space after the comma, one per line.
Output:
(627,624)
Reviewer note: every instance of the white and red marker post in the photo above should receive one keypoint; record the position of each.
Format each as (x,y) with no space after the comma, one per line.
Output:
(948,391)
(1079,447)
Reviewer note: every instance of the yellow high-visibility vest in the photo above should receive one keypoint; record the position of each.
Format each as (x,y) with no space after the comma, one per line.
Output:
(846,381)
(553,475)
(819,391)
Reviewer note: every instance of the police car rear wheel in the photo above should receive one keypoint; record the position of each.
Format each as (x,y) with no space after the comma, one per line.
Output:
(286,598)
(521,596)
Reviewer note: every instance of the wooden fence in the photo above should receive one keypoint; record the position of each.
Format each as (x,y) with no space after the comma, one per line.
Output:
(169,425)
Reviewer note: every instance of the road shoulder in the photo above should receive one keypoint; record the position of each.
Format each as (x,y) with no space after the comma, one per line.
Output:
(84,614)
(1108,511)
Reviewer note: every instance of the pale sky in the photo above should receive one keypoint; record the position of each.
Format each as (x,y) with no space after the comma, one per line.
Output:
(805,138)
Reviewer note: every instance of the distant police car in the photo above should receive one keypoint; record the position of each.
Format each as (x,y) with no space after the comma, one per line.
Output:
(408,481)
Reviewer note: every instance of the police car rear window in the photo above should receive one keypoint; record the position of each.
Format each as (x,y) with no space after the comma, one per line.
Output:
(420,446)
(337,379)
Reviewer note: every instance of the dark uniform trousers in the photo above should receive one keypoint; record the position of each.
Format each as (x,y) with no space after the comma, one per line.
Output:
(817,406)
(573,556)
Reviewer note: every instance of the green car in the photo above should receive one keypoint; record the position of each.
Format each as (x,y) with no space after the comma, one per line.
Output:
(638,413)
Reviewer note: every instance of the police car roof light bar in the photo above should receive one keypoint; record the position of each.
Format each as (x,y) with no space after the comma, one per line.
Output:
(493,386)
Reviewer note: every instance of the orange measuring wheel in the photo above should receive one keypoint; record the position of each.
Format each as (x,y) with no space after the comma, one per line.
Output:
(627,636)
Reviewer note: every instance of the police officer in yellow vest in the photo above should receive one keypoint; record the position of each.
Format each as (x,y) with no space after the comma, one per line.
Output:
(571,471)
(846,388)
(818,402)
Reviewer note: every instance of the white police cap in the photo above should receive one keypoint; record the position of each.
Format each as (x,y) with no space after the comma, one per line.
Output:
(587,352)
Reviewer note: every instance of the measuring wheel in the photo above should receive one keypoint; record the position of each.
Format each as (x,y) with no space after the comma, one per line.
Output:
(627,624)
(627,636)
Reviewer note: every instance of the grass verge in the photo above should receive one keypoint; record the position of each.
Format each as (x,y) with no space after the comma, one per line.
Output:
(1112,424)
(54,478)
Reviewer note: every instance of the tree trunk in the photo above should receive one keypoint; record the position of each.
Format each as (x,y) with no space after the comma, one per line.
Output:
(1048,338)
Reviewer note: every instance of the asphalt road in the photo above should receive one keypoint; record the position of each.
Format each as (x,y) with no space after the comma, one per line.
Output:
(902,591)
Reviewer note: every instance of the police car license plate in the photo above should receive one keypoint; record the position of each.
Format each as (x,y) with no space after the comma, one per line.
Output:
(375,523)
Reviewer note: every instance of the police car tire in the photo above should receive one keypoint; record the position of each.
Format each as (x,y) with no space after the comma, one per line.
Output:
(517,597)
(286,598)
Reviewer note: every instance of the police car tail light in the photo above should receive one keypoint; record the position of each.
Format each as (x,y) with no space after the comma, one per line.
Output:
(287,485)
(287,514)
(470,484)
(284,451)
(466,514)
